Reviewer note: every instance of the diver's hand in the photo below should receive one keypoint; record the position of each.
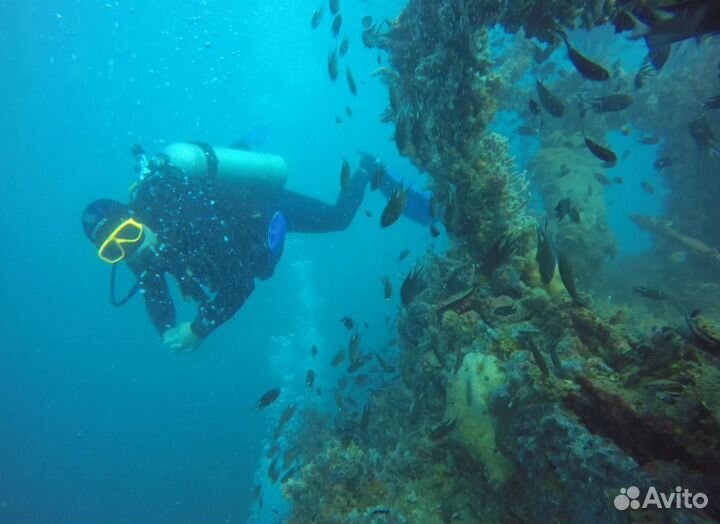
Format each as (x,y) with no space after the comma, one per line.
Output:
(181,338)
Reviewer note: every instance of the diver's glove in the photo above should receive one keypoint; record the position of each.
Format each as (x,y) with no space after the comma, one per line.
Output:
(181,338)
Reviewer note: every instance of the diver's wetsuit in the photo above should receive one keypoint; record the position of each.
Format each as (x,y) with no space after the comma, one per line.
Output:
(218,243)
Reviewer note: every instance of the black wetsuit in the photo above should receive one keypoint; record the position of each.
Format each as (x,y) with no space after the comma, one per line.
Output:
(216,244)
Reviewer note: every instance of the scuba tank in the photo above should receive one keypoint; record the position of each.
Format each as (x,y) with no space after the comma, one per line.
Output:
(232,168)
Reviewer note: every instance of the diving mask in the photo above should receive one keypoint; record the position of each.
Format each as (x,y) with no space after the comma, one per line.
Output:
(113,249)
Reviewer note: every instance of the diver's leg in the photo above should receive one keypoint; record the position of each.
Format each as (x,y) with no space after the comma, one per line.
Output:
(305,214)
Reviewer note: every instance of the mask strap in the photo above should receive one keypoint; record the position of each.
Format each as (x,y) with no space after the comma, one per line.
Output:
(134,289)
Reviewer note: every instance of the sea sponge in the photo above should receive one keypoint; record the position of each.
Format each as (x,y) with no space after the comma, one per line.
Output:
(468,394)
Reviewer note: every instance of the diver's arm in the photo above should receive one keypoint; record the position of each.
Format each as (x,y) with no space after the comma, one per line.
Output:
(305,214)
(158,301)
(213,313)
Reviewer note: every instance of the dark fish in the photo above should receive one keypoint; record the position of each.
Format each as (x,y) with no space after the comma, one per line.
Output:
(344,45)
(387,288)
(610,103)
(712,104)
(273,450)
(395,207)
(367,22)
(361,380)
(333,65)
(647,187)
(643,73)
(273,472)
(565,208)
(552,104)
(676,22)
(365,419)
(268,398)
(289,473)
(338,120)
(649,140)
(617,180)
(568,278)
(386,367)
(344,175)
(378,175)
(403,255)
(334,6)
(434,231)
(703,135)
(658,53)
(354,347)
(557,364)
(443,429)
(602,179)
(585,66)
(336,25)
(540,55)
(314,350)
(663,162)
(348,111)
(468,392)
(317,17)
(359,362)
(368,213)
(284,419)
(545,255)
(338,358)
(367,326)
(348,322)
(537,356)
(339,402)
(534,106)
(351,81)
(601,152)
(411,285)
(379,511)
(310,378)
(653,294)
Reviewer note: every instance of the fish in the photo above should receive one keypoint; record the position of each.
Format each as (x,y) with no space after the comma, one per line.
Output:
(310,378)
(344,175)
(601,152)
(602,179)
(354,347)
(359,362)
(314,350)
(378,175)
(643,74)
(545,255)
(676,22)
(586,67)
(268,398)
(334,6)
(348,322)
(395,207)
(653,294)
(537,356)
(611,103)
(333,65)
(663,162)
(317,17)
(338,358)
(403,255)
(647,187)
(566,208)
(387,288)
(386,367)
(367,326)
(273,450)
(287,414)
(338,120)
(344,46)
(434,231)
(568,278)
(339,402)
(703,135)
(443,429)
(411,285)
(649,140)
(289,473)
(712,103)
(348,111)
(534,106)
(367,22)
(365,419)
(617,180)
(557,364)
(361,380)
(336,25)
(550,102)
(350,81)
(273,472)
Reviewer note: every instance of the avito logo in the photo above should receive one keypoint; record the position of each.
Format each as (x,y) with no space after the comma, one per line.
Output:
(678,499)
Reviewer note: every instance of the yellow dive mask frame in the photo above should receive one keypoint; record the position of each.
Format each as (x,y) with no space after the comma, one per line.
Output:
(112,249)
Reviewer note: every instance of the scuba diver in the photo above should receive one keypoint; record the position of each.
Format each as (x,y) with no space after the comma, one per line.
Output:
(216,220)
